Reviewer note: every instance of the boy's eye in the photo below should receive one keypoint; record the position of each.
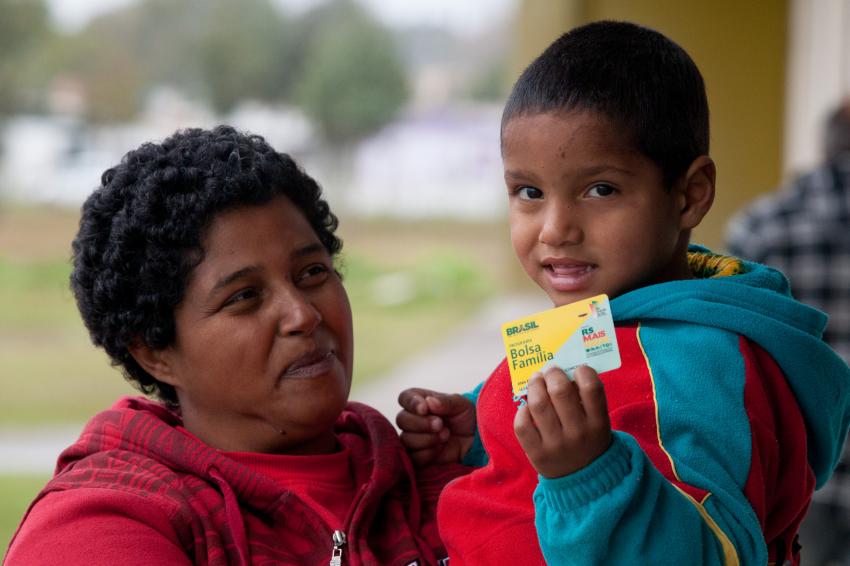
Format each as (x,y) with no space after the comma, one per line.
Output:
(601,190)
(529,193)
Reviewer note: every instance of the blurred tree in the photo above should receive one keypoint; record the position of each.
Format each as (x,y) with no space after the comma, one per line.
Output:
(164,36)
(105,70)
(248,48)
(23,26)
(111,60)
(490,83)
(353,80)
(218,50)
(336,61)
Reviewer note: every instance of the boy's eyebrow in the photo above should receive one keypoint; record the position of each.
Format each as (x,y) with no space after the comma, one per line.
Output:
(603,168)
(517,174)
(587,171)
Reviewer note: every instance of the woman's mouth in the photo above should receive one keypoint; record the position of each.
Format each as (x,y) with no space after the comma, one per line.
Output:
(568,277)
(310,365)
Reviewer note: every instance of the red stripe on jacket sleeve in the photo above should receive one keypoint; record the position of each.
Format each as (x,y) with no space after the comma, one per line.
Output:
(633,408)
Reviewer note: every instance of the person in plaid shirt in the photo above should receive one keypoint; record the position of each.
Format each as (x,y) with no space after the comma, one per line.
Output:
(804,231)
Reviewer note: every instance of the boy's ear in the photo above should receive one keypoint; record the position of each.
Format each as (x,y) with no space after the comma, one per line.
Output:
(696,192)
(155,362)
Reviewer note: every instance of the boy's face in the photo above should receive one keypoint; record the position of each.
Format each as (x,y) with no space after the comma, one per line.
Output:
(589,213)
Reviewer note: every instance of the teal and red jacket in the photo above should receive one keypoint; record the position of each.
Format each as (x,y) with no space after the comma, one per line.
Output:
(728,410)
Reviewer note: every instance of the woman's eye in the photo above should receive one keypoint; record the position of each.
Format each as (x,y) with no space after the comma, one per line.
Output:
(529,193)
(315,273)
(239,296)
(601,190)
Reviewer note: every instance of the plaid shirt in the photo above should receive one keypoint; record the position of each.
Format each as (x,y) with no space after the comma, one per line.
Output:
(804,231)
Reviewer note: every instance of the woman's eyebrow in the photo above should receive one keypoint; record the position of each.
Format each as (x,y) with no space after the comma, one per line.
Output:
(238,274)
(309,249)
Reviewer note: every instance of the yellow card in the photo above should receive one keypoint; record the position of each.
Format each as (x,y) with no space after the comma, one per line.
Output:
(581,333)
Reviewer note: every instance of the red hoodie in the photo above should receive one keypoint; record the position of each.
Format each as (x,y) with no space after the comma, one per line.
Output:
(135,490)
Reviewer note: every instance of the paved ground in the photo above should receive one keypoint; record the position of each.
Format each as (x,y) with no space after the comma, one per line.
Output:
(34,450)
(457,364)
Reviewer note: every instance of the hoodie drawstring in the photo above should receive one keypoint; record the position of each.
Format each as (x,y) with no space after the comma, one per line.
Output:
(235,524)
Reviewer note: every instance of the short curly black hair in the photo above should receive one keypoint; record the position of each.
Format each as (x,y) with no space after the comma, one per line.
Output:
(141,232)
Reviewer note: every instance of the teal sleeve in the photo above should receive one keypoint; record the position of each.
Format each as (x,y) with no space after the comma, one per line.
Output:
(621,510)
(477,455)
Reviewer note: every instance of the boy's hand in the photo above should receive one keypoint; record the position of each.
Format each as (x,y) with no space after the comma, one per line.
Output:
(436,428)
(565,426)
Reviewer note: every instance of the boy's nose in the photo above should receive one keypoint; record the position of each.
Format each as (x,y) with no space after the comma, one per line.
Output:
(560,227)
(297,315)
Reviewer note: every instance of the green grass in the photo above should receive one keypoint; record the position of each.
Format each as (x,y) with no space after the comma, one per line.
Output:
(399,311)
(34,295)
(16,493)
(51,372)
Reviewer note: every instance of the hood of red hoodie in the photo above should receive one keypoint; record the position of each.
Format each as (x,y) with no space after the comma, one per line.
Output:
(144,427)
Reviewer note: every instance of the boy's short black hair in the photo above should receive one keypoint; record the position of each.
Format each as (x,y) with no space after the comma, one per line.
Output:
(141,232)
(637,77)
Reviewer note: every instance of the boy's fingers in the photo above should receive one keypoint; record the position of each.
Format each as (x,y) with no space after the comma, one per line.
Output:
(526,432)
(410,422)
(592,394)
(447,405)
(540,407)
(413,400)
(564,396)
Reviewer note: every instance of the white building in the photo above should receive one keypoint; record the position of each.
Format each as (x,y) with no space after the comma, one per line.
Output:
(437,162)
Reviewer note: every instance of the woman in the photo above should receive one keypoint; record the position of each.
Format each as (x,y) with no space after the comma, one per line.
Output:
(204,267)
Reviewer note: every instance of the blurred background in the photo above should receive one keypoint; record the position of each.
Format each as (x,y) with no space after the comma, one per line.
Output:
(394,107)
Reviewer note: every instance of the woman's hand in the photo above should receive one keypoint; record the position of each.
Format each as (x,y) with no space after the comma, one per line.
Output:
(565,425)
(436,428)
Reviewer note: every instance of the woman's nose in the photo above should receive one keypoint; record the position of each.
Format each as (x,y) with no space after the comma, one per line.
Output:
(297,315)
(561,226)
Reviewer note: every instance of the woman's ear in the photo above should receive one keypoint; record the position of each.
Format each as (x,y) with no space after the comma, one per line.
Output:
(155,362)
(696,192)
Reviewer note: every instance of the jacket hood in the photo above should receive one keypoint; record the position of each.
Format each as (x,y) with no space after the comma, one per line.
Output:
(216,505)
(147,428)
(755,301)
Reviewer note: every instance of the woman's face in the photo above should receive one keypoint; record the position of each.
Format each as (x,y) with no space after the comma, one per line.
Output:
(263,354)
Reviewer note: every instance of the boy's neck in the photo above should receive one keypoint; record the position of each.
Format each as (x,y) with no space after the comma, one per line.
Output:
(679,269)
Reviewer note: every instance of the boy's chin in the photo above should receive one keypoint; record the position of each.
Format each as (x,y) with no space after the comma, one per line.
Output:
(560,298)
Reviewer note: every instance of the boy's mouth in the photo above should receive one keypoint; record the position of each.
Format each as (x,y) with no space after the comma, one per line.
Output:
(568,276)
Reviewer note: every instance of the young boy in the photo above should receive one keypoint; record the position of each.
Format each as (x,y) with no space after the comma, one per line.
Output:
(728,408)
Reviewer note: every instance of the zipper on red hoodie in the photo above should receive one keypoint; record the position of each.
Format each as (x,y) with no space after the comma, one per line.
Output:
(338,540)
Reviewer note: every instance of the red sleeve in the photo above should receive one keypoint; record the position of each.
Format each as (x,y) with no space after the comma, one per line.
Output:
(781,481)
(83,527)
